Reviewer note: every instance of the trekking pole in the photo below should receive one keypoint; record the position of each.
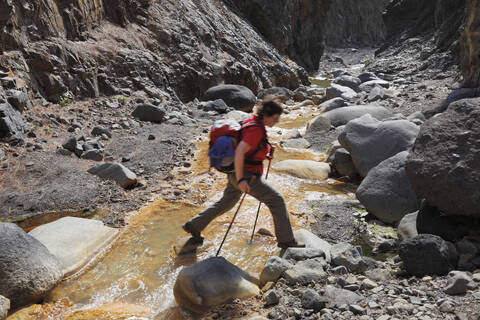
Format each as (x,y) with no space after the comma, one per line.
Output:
(260,204)
(231,223)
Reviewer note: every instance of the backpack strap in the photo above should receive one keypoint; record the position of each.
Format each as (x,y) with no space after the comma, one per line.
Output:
(263,143)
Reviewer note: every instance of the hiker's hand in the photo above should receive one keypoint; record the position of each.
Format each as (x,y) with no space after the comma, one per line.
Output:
(244,186)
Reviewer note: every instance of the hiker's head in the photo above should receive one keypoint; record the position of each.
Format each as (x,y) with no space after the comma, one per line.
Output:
(269,111)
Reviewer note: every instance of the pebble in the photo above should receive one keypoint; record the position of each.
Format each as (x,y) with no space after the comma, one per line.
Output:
(271,298)
(151,137)
(368,284)
(356,309)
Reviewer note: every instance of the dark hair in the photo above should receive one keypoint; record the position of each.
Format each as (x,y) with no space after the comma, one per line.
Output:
(269,107)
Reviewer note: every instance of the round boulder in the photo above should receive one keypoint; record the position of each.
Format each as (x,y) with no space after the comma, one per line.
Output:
(235,96)
(444,164)
(27,269)
(341,116)
(281,93)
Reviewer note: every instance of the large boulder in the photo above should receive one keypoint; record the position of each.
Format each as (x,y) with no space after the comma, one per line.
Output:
(212,282)
(336,90)
(344,254)
(318,126)
(280,93)
(348,81)
(342,162)
(444,164)
(116,172)
(307,169)
(74,241)
(149,112)
(4,307)
(235,96)
(341,116)
(332,104)
(370,141)
(12,126)
(28,271)
(273,269)
(386,191)
(428,254)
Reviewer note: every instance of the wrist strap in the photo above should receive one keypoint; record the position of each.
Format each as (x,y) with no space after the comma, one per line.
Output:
(242,179)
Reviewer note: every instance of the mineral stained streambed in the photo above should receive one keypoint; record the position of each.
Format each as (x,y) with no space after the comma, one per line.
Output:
(135,277)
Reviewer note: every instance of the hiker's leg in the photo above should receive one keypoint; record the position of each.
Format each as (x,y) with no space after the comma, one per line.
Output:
(263,192)
(230,197)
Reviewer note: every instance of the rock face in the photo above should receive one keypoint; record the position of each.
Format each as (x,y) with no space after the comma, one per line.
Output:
(12,126)
(27,269)
(181,47)
(295,28)
(211,282)
(351,22)
(470,44)
(428,254)
(74,241)
(4,307)
(370,141)
(386,191)
(307,169)
(444,164)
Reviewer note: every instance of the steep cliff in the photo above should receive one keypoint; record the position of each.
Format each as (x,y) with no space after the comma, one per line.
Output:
(357,23)
(95,47)
(470,42)
(294,27)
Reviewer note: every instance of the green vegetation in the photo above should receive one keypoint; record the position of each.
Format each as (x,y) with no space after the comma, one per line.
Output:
(121,99)
(66,99)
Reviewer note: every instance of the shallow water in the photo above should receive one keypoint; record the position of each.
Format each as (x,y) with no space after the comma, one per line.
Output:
(135,278)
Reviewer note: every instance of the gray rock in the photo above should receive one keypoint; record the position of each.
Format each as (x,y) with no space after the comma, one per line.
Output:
(306,271)
(428,254)
(342,296)
(12,126)
(379,93)
(407,227)
(342,163)
(2,155)
(370,141)
(348,81)
(18,99)
(235,96)
(281,93)
(149,112)
(95,155)
(339,270)
(457,282)
(356,309)
(299,143)
(273,269)
(312,300)
(418,115)
(367,76)
(99,130)
(4,307)
(335,91)
(271,298)
(332,104)
(344,254)
(447,306)
(212,282)
(27,269)
(299,254)
(341,116)
(386,191)
(447,179)
(116,172)
(218,106)
(70,144)
(369,85)
(312,241)
(318,126)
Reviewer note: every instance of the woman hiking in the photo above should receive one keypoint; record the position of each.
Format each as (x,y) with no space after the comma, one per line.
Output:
(252,149)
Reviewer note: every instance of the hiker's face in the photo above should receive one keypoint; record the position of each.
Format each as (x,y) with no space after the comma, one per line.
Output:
(271,121)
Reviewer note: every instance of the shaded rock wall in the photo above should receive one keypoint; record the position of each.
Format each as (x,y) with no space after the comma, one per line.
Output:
(94,47)
(470,42)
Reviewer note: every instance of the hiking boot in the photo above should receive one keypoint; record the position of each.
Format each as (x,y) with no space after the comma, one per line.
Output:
(195,234)
(291,244)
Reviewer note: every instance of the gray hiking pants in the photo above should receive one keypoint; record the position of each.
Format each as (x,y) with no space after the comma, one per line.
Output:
(260,190)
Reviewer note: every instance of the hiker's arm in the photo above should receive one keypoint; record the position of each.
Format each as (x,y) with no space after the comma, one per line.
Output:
(239,159)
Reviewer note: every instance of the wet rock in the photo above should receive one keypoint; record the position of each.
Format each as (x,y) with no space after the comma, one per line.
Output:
(307,169)
(12,126)
(273,269)
(283,94)
(298,143)
(457,282)
(332,104)
(342,163)
(317,126)
(342,116)
(95,155)
(306,271)
(218,106)
(312,300)
(4,307)
(428,254)
(116,172)
(18,99)
(299,254)
(149,112)
(342,296)
(446,179)
(235,96)
(336,90)
(407,227)
(386,191)
(27,269)
(99,130)
(348,81)
(369,85)
(271,298)
(312,241)
(344,254)
(370,141)
(74,241)
(212,282)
